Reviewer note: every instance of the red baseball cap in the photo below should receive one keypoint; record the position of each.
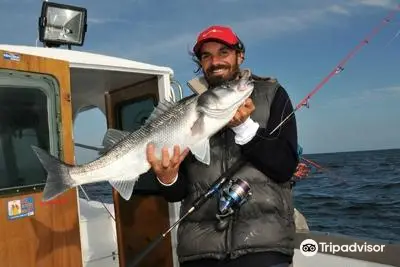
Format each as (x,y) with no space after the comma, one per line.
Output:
(217,33)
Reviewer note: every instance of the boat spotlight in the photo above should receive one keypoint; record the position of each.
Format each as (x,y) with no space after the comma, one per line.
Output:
(62,25)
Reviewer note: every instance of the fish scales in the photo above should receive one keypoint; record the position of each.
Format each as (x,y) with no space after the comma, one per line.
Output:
(188,123)
(157,129)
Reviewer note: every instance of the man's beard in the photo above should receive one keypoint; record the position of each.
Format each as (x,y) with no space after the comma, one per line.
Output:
(217,80)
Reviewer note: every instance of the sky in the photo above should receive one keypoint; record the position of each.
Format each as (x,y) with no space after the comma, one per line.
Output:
(297,42)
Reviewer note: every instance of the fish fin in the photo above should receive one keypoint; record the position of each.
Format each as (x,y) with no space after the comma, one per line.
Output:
(161,107)
(198,126)
(58,178)
(113,136)
(124,187)
(201,151)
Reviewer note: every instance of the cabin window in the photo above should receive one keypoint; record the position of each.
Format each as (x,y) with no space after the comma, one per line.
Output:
(133,113)
(28,112)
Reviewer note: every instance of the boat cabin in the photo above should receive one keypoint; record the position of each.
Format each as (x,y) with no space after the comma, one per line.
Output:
(42,90)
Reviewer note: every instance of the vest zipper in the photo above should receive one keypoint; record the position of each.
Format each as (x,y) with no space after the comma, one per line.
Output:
(225,158)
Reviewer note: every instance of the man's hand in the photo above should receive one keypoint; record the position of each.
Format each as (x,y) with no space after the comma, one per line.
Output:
(302,171)
(167,168)
(243,112)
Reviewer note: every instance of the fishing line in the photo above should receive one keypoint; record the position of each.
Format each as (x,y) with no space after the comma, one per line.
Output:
(394,37)
(339,68)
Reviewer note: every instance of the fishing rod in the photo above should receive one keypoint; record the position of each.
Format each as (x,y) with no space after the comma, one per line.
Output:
(316,165)
(340,67)
(324,169)
(213,189)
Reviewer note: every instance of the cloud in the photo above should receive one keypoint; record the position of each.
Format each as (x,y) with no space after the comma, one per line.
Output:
(160,36)
(12,1)
(368,96)
(268,27)
(339,9)
(391,91)
(376,3)
(168,41)
(292,21)
(106,20)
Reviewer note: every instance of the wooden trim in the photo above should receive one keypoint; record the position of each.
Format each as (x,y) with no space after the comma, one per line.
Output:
(115,91)
(52,234)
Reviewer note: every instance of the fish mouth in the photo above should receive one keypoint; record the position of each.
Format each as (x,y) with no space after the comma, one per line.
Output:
(220,113)
(245,83)
(243,78)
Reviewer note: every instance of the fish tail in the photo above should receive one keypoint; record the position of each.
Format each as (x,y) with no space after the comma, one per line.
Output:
(58,178)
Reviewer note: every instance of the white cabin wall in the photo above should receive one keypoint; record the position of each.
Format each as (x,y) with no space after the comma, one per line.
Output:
(164,87)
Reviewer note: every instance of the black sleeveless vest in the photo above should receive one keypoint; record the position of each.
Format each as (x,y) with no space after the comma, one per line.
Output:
(264,223)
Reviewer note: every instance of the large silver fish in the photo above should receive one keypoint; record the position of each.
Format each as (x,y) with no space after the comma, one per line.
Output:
(188,123)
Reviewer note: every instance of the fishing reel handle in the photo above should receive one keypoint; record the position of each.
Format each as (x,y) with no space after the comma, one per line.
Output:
(219,183)
(234,195)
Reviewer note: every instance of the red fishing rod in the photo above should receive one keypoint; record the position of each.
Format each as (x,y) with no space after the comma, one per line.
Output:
(340,67)
(321,168)
(316,165)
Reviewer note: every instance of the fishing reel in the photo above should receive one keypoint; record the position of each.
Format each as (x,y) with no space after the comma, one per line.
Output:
(233,195)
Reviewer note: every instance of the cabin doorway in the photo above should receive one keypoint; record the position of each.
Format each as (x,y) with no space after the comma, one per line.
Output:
(145,215)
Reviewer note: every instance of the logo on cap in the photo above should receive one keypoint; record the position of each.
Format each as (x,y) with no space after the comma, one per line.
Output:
(209,32)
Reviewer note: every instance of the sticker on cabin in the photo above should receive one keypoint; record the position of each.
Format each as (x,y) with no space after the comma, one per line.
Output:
(19,208)
(11,56)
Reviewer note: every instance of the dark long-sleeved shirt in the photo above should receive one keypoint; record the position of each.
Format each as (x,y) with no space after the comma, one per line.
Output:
(275,155)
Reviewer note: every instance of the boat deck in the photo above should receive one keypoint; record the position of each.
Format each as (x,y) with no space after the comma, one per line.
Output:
(100,250)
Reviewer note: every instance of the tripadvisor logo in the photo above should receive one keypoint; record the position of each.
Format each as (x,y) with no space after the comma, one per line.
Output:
(310,248)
